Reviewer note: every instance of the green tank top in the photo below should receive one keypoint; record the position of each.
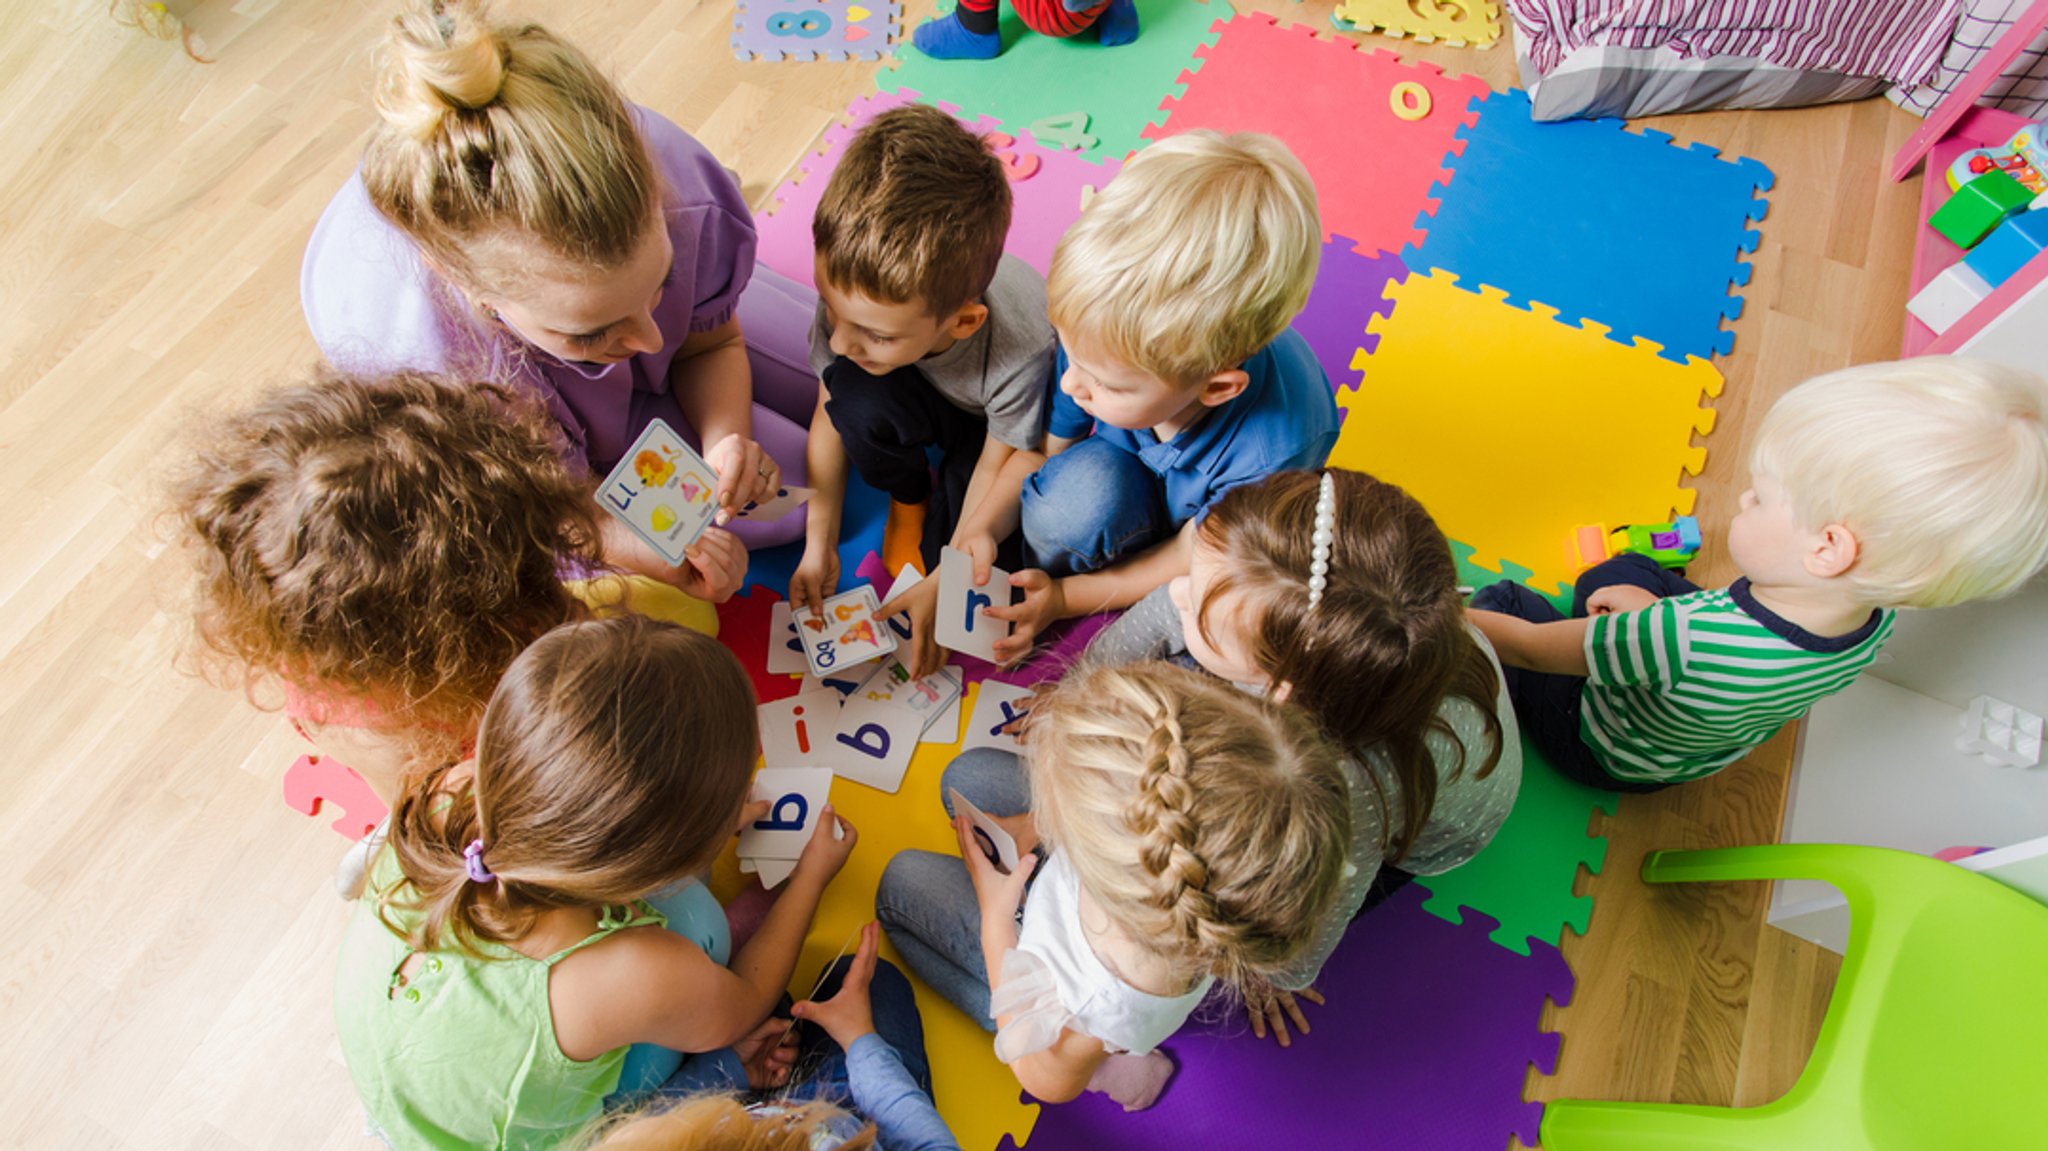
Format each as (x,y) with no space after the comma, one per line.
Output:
(463,1054)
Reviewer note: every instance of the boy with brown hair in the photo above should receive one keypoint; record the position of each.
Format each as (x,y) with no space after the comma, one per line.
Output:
(927,336)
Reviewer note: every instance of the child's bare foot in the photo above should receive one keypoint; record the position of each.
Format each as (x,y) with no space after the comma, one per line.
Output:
(1136,1081)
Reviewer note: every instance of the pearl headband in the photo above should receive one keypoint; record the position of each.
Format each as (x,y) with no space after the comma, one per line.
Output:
(1325,532)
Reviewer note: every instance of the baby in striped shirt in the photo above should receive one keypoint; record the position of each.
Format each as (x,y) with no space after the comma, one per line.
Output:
(1918,483)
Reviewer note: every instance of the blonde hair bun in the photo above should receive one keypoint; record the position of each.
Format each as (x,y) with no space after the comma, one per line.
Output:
(441,56)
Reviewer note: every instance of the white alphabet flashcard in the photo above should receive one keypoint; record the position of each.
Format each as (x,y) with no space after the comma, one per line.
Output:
(777,505)
(995,707)
(963,622)
(663,490)
(796,796)
(846,634)
(997,844)
(945,726)
(874,743)
(844,682)
(891,683)
(785,650)
(906,579)
(774,871)
(798,729)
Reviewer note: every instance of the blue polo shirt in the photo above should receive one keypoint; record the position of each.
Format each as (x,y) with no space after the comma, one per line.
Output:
(1285,418)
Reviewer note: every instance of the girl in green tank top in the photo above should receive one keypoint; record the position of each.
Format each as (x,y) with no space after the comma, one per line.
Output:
(501,962)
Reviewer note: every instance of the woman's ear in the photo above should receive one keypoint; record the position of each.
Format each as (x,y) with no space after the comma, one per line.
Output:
(1833,551)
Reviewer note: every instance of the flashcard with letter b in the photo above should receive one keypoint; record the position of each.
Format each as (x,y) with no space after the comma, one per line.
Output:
(874,742)
(963,622)
(663,490)
(796,796)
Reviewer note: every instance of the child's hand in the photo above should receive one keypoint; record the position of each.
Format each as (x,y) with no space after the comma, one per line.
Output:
(828,848)
(1619,598)
(713,566)
(998,895)
(768,1052)
(1043,603)
(921,606)
(1269,1006)
(981,548)
(848,1015)
(1019,728)
(746,474)
(815,579)
(750,811)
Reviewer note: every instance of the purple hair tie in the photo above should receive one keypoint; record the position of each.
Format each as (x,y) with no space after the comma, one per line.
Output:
(473,860)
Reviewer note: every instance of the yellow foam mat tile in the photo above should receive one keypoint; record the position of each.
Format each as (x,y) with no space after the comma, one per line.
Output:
(1469,22)
(976,1094)
(1513,428)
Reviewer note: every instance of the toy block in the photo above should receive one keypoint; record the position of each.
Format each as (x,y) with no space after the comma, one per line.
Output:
(1979,206)
(2009,246)
(2000,734)
(1948,297)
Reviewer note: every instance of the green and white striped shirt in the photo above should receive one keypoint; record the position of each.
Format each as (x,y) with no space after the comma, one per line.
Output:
(1688,685)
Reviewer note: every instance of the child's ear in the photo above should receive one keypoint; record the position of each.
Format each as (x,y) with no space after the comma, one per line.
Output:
(1280,692)
(1224,387)
(1833,551)
(967,321)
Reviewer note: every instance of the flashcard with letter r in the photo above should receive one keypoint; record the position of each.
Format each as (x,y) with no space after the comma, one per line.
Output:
(963,622)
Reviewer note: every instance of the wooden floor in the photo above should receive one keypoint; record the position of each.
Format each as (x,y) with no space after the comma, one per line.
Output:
(168,925)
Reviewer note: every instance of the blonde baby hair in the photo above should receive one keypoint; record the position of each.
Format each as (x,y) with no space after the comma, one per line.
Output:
(493,128)
(724,1123)
(891,226)
(1938,466)
(612,762)
(1199,253)
(1211,826)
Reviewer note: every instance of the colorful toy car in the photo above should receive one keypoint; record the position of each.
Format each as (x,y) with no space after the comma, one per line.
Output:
(1672,545)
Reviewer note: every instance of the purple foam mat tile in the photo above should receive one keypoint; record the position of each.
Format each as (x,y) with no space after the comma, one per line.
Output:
(814,29)
(1045,192)
(1350,289)
(1064,642)
(1425,1043)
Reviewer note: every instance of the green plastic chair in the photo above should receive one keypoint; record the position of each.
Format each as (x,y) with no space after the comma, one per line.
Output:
(1936,1038)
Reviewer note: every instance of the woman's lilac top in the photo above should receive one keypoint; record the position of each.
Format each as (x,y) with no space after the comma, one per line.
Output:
(375,306)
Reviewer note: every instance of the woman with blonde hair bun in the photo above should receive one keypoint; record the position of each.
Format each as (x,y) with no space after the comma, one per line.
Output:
(515,218)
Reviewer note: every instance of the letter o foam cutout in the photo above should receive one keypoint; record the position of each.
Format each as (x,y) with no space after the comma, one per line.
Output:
(1409,100)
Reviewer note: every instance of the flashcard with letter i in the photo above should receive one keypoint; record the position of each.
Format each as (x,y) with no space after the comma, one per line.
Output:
(963,623)
(846,633)
(663,490)
(798,729)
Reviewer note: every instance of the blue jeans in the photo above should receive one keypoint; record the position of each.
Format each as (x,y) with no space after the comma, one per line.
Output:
(820,1071)
(1549,705)
(1091,506)
(926,900)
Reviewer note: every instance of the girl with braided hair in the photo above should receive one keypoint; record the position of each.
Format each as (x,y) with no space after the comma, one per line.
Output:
(1336,593)
(1193,834)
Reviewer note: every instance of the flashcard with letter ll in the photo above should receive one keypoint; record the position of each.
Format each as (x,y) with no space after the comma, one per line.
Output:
(663,490)
(796,796)
(846,634)
(963,623)
(995,707)
(874,743)
(798,729)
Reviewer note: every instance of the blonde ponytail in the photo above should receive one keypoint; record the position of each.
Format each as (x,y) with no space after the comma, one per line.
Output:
(1212,826)
(494,127)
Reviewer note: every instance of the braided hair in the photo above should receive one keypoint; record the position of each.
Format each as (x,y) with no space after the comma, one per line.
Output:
(1211,826)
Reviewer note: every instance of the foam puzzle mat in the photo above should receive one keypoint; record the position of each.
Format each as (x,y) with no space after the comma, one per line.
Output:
(1624,228)
(1439,1065)
(1038,77)
(1468,399)
(1472,22)
(1527,386)
(1376,172)
(813,29)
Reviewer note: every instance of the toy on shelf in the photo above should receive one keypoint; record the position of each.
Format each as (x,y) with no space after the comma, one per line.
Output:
(2000,734)
(2009,246)
(1979,206)
(1948,297)
(1672,545)
(2022,157)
